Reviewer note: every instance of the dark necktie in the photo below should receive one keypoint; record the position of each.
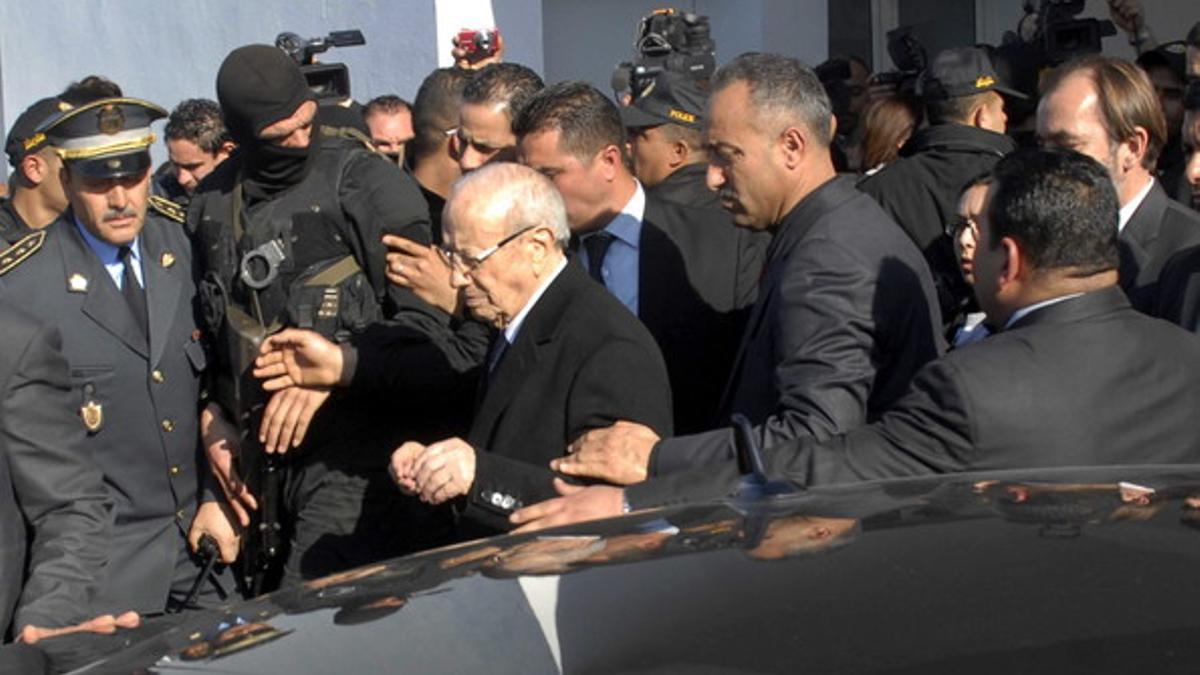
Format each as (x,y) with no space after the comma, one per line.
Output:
(597,246)
(132,290)
(499,347)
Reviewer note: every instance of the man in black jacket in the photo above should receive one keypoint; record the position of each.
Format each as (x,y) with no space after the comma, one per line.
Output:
(846,310)
(568,357)
(686,273)
(289,232)
(1076,377)
(1106,108)
(962,95)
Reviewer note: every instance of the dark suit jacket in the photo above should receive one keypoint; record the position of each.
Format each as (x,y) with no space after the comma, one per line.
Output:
(845,316)
(697,279)
(48,481)
(1179,290)
(148,443)
(580,361)
(1159,229)
(1087,381)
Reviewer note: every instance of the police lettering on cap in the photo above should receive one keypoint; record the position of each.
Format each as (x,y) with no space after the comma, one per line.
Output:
(107,138)
(24,137)
(672,98)
(959,72)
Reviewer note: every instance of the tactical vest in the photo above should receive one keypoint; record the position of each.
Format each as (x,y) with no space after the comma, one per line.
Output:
(287,262)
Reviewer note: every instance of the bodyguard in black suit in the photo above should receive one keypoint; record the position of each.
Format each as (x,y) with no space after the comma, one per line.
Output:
(846,309)
(1091,101)
(568,357)
(51,493)
(685,272)
(134,351)
(1076,377)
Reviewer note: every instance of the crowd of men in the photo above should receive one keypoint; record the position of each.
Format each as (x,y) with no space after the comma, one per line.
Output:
(302,345)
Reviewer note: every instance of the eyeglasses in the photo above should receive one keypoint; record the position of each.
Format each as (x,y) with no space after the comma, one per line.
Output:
(469,263)
(957,224)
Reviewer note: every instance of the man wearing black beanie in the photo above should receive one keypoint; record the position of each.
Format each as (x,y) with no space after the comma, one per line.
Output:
(288,233)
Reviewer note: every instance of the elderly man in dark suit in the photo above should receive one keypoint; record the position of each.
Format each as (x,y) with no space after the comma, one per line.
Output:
(1076,377)
(1107,109)
(568,357)
(51,493)
(846,309)
(116,280)
(685,272)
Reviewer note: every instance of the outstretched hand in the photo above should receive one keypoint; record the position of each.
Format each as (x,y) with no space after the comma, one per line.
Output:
(575,505)
(294,357)
(619,454)
(105,624)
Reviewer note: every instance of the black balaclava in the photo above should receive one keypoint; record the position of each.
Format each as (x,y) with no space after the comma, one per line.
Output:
(257,86)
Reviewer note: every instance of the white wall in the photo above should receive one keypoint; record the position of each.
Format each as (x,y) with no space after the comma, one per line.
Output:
(168,51)
(584,39)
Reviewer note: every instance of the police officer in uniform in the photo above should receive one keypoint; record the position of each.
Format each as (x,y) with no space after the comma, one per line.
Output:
(35,195)
(289,232)
(115,278)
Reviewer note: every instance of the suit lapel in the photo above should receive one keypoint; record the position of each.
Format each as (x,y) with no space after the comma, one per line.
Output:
(163,286)
(538,330)
(1138,235)
(652,247)
(790,234)
(103,302)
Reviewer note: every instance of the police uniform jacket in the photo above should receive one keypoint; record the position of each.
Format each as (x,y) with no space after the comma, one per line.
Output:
(697,279)
(139,398)
(48,484)
(921,190)
(12,227)
(687,186)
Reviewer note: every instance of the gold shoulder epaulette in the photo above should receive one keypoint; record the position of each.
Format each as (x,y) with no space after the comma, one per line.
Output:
(20,251)
(168,208)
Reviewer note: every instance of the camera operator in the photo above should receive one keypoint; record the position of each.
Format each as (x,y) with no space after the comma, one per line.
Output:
(962,96)
(667,144)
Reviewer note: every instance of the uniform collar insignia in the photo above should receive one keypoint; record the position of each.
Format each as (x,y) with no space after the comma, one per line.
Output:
(77,283)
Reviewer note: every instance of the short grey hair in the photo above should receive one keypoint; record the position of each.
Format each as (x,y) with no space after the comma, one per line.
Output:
(524,197)
(783,91)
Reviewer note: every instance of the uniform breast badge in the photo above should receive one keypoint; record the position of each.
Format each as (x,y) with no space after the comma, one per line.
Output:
(93,416)
(77,283)
(167,259)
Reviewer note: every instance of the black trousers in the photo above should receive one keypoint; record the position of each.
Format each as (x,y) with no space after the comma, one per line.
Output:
(339,518)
